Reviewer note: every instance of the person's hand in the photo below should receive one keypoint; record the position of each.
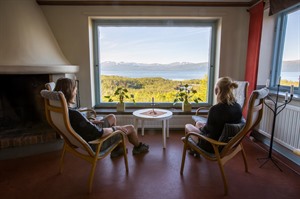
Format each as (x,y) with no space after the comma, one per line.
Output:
(191,128)
(97,122)
(121,129)
(199,125)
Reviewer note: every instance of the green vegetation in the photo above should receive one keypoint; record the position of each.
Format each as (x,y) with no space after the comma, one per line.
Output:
(185,94)
(120,95)
(285,82)
(143,89)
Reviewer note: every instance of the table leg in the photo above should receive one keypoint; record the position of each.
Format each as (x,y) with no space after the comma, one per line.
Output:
(136,124)
(142,127)
(167,129)
(164,133)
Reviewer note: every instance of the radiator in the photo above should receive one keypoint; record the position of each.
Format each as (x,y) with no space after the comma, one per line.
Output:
(176,122)
(287,127)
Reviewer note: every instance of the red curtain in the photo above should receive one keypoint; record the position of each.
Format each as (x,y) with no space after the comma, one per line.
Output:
(254,37)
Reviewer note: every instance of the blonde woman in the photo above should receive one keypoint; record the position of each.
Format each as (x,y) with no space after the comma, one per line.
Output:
(90,130)
(227,110)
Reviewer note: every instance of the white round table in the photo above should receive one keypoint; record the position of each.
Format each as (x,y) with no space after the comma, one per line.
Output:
(158,114)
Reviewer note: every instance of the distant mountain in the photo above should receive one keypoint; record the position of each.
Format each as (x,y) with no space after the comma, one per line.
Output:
(132,66)
(291,66)
(287,66)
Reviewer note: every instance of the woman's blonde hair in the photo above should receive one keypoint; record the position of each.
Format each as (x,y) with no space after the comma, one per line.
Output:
(225,86)
(67,86)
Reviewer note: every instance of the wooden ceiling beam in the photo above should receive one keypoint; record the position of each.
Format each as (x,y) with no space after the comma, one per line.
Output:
(147,3)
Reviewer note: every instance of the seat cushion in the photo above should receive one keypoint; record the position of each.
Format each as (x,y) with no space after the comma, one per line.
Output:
(195,145)
(230,130)
(198,118)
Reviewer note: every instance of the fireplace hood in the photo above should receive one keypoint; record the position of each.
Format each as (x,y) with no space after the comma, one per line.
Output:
(27,44)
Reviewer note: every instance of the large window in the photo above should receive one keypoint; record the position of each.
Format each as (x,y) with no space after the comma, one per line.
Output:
(286,64)
(154,58)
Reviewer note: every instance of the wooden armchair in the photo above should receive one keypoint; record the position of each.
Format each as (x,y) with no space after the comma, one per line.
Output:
(57,115)
(240,94)
(230,142)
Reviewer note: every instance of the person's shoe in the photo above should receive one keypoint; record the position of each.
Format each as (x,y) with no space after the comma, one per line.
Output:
(117,152)
(142,148)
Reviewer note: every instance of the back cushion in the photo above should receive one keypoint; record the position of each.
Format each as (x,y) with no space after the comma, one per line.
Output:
(239,93)
(229,131)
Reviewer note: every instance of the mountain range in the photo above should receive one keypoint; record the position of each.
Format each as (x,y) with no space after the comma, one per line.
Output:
(287,66)
(291,66)
(132,66)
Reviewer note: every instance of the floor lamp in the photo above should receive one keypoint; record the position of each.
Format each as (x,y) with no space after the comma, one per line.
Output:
(276,110)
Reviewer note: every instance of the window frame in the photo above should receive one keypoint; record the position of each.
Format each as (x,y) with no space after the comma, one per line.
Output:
(280,31)
(140,21)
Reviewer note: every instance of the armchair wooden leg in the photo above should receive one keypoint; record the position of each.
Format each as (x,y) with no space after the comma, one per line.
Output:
(91,178)
(183,158)
(62,159)
(223,177)
(125,156)
(245,159)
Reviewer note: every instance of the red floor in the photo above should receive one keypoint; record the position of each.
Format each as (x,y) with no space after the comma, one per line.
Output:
(151,176)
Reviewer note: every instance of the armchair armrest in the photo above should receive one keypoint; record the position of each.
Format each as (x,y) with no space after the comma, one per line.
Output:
(217,145)
(198,110)
(203,137)
(99,142)
(104,138)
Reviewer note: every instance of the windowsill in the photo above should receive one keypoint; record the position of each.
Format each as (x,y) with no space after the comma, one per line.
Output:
(129,111)
(178,111)
(273,92)
(296,97)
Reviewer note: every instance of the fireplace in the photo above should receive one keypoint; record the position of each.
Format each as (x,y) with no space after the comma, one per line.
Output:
(30,56)
(22,117)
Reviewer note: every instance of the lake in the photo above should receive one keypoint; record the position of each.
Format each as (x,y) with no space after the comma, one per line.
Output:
(174,75)
(292,76)
(180,75)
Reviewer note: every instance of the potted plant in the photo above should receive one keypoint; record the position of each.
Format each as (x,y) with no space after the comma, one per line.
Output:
(120,94)
(184,94)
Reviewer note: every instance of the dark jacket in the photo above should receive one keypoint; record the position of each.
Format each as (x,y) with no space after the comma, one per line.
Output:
(218,115)
(87,130)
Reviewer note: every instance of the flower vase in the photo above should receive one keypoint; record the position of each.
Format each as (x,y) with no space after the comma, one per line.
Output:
(186,107)
(120,107)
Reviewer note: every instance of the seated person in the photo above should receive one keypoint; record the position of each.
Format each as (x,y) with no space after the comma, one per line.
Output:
(89,130)
(227,110)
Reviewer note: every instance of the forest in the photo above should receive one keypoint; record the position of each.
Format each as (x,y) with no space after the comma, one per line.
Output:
(162,90)
(143,89)
(285,82)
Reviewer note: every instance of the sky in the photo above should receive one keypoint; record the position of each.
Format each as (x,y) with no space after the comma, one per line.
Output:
(154,44)
(175,44)
(292,39)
